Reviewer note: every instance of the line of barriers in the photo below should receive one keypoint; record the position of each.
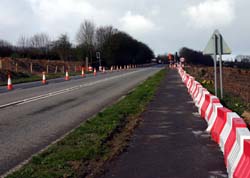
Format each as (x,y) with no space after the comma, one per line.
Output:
(226,127)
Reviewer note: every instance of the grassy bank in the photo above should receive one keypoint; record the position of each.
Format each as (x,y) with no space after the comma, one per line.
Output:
(70,156)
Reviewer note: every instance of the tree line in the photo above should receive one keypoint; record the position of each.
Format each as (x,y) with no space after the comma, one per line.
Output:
(195,57)
(115,47)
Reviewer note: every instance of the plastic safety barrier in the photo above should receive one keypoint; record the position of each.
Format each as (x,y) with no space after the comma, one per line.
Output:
(225,126)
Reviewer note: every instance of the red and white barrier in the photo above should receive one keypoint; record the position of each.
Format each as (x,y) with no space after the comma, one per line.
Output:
(214,116)
(225,126)
(196,92)
(242,168)
(212,100)
(201,100)
(219,124)
(235,158)
(205,104)
(233,121)
(201,93)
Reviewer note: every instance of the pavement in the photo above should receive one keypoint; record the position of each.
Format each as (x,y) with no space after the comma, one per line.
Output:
(171,141)
(34,116)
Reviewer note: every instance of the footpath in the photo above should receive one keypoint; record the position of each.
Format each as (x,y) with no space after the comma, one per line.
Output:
(171,141)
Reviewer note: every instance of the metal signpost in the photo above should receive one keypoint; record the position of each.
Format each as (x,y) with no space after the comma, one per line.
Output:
(217,46)
(98,56)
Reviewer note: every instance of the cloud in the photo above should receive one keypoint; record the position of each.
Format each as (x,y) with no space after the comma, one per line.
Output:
(211,13)
(136,24)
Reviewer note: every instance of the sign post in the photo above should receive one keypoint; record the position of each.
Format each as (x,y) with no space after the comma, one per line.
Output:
(98,56)
(217,46)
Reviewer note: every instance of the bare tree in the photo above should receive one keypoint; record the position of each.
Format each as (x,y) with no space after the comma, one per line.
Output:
(85,36)
(103,34)
(4,43)
(63,46)
(23,42)
(39,40)
(86,32)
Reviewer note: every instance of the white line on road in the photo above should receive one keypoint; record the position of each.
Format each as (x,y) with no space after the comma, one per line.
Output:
(51,94)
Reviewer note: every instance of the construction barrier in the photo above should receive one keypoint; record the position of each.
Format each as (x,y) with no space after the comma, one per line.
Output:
(226,128)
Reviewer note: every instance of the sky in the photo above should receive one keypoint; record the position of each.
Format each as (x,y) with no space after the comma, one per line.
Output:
(164,25)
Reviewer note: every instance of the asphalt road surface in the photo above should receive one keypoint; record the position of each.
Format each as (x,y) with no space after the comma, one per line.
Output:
(33,116)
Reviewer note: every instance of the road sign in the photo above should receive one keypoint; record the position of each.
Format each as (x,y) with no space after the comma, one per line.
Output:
(170,57)
(98,55)
(217,46)
(213,45)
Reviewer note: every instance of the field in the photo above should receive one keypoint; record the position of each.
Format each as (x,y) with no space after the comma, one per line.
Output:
(236,84)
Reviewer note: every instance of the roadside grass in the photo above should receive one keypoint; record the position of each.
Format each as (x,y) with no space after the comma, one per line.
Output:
(70,156)
(24,78)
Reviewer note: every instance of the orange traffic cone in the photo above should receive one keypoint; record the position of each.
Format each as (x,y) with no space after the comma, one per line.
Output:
(94,72)
(44,78)
(83,72)
(67,75)
(9,87)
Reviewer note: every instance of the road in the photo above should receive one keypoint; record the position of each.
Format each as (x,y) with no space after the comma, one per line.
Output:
(33,116)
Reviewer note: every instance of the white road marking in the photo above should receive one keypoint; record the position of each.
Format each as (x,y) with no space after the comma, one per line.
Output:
(51,94)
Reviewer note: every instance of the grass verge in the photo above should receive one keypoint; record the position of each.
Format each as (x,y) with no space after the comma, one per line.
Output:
(70,156)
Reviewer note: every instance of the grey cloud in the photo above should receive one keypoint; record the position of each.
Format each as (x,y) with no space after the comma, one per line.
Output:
(171,29)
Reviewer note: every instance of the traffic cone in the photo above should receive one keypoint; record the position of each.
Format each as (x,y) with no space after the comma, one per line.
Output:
(67,75)
(83,72)
(111,69)
(94,72)
(44,78)
(103,70)
(9,87)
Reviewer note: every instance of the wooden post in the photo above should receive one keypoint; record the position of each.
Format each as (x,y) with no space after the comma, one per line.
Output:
(47,68)
(56,70)
(31,67)
(1,65)
(63,68)
(16,67)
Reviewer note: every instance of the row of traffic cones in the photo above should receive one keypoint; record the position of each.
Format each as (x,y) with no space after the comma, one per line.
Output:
(10,86)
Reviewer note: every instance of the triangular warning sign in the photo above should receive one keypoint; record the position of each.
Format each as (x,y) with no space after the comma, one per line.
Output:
(213,45)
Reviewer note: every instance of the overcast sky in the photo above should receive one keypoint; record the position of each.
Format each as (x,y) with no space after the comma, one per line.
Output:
(165,25)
